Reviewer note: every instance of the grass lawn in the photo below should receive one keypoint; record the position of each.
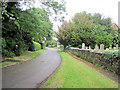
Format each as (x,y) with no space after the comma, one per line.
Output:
(27,55)
(74,74)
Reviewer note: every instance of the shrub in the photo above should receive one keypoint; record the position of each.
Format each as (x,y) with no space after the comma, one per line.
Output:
(111,56)
(68,46)
(37,46)
(3,43)
(107,60)
(80,46)
(7,53)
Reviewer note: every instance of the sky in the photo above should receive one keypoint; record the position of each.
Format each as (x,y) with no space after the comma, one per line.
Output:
(108,8)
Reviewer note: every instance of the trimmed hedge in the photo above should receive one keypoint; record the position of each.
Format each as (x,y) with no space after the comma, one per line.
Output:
(107,60)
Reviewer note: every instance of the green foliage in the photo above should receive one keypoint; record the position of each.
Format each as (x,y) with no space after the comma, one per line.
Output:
(56,8)
(44,45)
(3,43)
(68,46)
(52,43)
(63,34)
(7,53)
(37,46)
(89,29)
(20,28)
(111,56)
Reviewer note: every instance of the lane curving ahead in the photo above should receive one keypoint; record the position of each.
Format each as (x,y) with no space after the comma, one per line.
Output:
(31,73)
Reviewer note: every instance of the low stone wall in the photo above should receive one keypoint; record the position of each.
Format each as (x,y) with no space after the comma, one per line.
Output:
(97,58)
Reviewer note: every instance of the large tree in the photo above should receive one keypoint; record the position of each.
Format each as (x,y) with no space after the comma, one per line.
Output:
(63,34)
(21,27)
(89,29)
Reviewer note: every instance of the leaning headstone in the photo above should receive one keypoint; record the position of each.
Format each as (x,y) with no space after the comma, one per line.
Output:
(83,45)
(101,47)
(116,46)
(107,49)
(96,47)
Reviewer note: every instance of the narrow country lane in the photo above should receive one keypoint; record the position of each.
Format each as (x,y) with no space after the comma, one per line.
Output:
(31,73)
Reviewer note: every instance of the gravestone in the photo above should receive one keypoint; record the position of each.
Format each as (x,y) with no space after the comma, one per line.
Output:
(110,47)
(83,45)
(86,47)
(116,46)
(89,48)
(107,49)
(102,47)
(96,47)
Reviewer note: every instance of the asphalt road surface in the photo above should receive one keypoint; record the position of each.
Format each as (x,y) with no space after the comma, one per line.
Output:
(31,73)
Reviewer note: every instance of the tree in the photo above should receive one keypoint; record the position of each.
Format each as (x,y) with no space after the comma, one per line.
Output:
(63,34)
(81,30)
(54,8)
(38,27)
(89,29)
(21,27)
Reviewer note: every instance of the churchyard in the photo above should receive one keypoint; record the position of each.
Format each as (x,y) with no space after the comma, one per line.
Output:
(100,48)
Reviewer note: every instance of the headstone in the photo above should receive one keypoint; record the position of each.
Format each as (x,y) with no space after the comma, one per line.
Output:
(101,47)
(83,45)
(107,49)
(86,47)
(89,48)
(117,46)
(114,48)
(96,47)
(110,47)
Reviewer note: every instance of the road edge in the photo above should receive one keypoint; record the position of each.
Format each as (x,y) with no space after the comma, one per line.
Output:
(10,65)
(40,85)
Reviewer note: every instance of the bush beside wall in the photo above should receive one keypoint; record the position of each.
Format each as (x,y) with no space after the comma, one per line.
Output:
(37,46)
(107,60)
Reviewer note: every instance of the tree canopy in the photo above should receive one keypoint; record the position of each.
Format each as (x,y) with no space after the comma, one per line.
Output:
(21,27)
(87,28)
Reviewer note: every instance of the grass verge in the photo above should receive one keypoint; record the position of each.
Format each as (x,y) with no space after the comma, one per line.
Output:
(8,63)
(75,74)
(27,55)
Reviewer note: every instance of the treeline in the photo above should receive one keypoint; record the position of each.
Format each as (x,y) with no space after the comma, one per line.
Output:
(87,28)
(25,29)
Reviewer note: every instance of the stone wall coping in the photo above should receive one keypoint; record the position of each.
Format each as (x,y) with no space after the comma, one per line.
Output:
(72,48)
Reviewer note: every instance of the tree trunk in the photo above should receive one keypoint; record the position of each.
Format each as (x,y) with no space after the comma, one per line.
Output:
(64,47)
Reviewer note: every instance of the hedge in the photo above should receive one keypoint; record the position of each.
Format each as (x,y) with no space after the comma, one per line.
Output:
(107,60)
(37,46)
